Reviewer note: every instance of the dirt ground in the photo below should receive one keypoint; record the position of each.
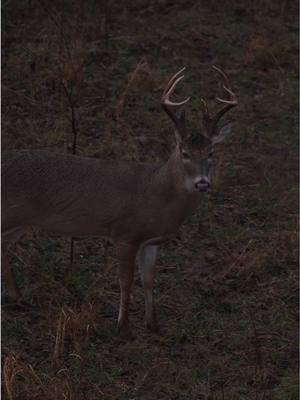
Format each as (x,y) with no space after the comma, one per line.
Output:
(227,283)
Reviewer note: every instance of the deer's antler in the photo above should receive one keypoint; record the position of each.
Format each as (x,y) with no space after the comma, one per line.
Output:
(210,122)
(167,104)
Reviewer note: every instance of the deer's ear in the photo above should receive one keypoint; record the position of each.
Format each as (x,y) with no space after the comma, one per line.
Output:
(222,134)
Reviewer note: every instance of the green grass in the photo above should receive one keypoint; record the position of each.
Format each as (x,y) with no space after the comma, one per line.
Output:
(227,284)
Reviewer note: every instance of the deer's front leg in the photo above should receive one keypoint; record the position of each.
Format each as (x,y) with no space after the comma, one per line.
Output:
(146,260)
(126,255)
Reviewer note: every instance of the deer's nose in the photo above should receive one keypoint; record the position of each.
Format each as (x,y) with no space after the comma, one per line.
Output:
(202,185)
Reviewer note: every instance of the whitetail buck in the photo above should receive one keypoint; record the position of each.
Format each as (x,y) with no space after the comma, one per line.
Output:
(137,205)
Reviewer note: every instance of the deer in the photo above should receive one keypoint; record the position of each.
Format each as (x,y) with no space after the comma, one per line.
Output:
(136,205)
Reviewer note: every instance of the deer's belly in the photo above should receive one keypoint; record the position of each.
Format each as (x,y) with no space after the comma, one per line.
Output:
(74,226)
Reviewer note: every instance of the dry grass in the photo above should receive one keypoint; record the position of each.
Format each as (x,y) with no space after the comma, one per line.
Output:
(227,286)
(76,327)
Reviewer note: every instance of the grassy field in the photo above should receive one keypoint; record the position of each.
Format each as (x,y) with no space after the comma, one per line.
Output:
(227,284)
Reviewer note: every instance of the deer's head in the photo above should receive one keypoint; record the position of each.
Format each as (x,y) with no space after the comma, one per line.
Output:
(193,153)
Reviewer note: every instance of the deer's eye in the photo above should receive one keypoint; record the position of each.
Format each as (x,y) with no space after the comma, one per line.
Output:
(185,155)
(210,158)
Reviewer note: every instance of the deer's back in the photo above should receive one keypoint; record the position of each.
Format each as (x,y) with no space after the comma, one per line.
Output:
(60,192)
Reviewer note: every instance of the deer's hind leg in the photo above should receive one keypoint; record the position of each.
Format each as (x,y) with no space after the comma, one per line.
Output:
(146,259)
(9,237)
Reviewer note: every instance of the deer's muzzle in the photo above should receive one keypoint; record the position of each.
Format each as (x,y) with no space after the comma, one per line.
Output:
(202,185)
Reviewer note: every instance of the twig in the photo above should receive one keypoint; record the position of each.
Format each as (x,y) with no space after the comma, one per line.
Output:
(233,265)
(60,338)
(106,23)
(72,103)
(259,372)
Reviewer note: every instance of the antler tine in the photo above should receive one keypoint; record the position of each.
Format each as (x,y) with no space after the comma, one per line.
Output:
(233,102)
(226,86)
(168,102)
(204,106)
(173,78)
(223,75)
(170,89)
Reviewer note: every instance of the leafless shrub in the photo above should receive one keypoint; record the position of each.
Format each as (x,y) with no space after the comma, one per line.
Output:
(141,79)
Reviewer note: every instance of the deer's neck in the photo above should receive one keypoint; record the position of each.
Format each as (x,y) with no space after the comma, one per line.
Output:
(170,180)
(169,196)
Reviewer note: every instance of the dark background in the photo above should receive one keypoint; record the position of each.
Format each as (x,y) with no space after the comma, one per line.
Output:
(227,283)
